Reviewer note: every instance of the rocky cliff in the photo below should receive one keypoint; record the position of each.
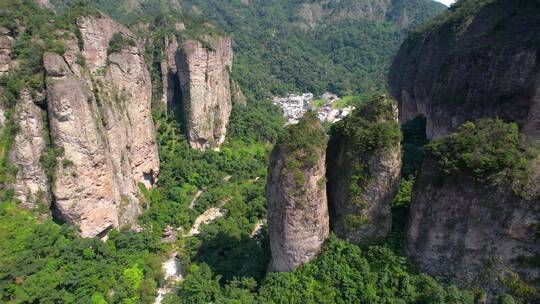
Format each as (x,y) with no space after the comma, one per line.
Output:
(363,171)
(475,211)
(99,100)
(6,42)
(296,195)
(203,72)
(31,186)
(197,86)
(479,59)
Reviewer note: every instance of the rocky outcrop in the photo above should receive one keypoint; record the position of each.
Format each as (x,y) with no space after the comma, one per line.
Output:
(473,232)
(480,59)
(99,102)
(203,72)
(169,75)
(44,3)
(6,42)
(237,95)
(296,195)
(363,171)
(31,185)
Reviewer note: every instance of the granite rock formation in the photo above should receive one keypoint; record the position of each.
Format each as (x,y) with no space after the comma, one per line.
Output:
(479,59)
(363,171)
(474,232)
(6,42)
(100,118)
(296,194)
(31,186)
(203,72)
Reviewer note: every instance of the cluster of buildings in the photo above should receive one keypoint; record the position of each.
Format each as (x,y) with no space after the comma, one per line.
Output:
(295,106)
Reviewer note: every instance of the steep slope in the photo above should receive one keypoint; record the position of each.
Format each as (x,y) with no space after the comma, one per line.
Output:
(285,46)
(31,184)
(99,111)
(480,59)
(296,195)
(475,211)
(206,92)
(363,170)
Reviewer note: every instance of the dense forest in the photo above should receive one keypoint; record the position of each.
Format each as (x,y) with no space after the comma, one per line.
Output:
(277,52)
(279,49)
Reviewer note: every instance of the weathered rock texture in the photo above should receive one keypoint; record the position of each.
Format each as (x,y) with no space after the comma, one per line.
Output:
(100,119)
(206,93)
(472,64)
(363,173)
(169,75)
(296,194)
(470,233)
(6,42)
(31,185)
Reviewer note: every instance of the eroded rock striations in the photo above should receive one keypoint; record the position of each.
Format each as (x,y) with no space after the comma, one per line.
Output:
(296,194)
(31,186)
(473,223)
(206,94)
(197,86)
(479,59)
(99,100)
(363,171)
(6,43)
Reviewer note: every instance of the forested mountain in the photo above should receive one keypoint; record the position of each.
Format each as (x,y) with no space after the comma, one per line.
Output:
(286,45)
(142,162)
(341,46)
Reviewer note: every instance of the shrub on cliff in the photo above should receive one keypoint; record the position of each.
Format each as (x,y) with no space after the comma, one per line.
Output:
(301,142)
(364,127)
(489,149)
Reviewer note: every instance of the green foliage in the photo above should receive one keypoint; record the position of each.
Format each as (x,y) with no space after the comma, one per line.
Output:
(257,121)
(118,42)
(343,273)
(277,52)
(519,288)
(454,19)
(303,142)
(490,150)
(42,262)
(363,129)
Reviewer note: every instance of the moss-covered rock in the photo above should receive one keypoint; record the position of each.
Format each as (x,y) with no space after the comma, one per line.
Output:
(475,211)
(296,195)
(363,170)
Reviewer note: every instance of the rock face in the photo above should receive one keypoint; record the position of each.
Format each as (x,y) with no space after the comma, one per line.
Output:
(206,94)
(31,184)
(460,229)
(6,42)
(169,75)
(296,194)
(477,60)
(99,113)
(475,233)
(363,171)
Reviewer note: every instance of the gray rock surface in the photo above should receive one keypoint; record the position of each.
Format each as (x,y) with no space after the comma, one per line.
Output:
(6,42)
(203,73)
(470,233)
(485,64)
(31,185)
(362,184)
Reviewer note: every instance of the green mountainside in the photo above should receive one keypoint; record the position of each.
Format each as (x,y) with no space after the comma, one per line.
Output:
(344,46)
